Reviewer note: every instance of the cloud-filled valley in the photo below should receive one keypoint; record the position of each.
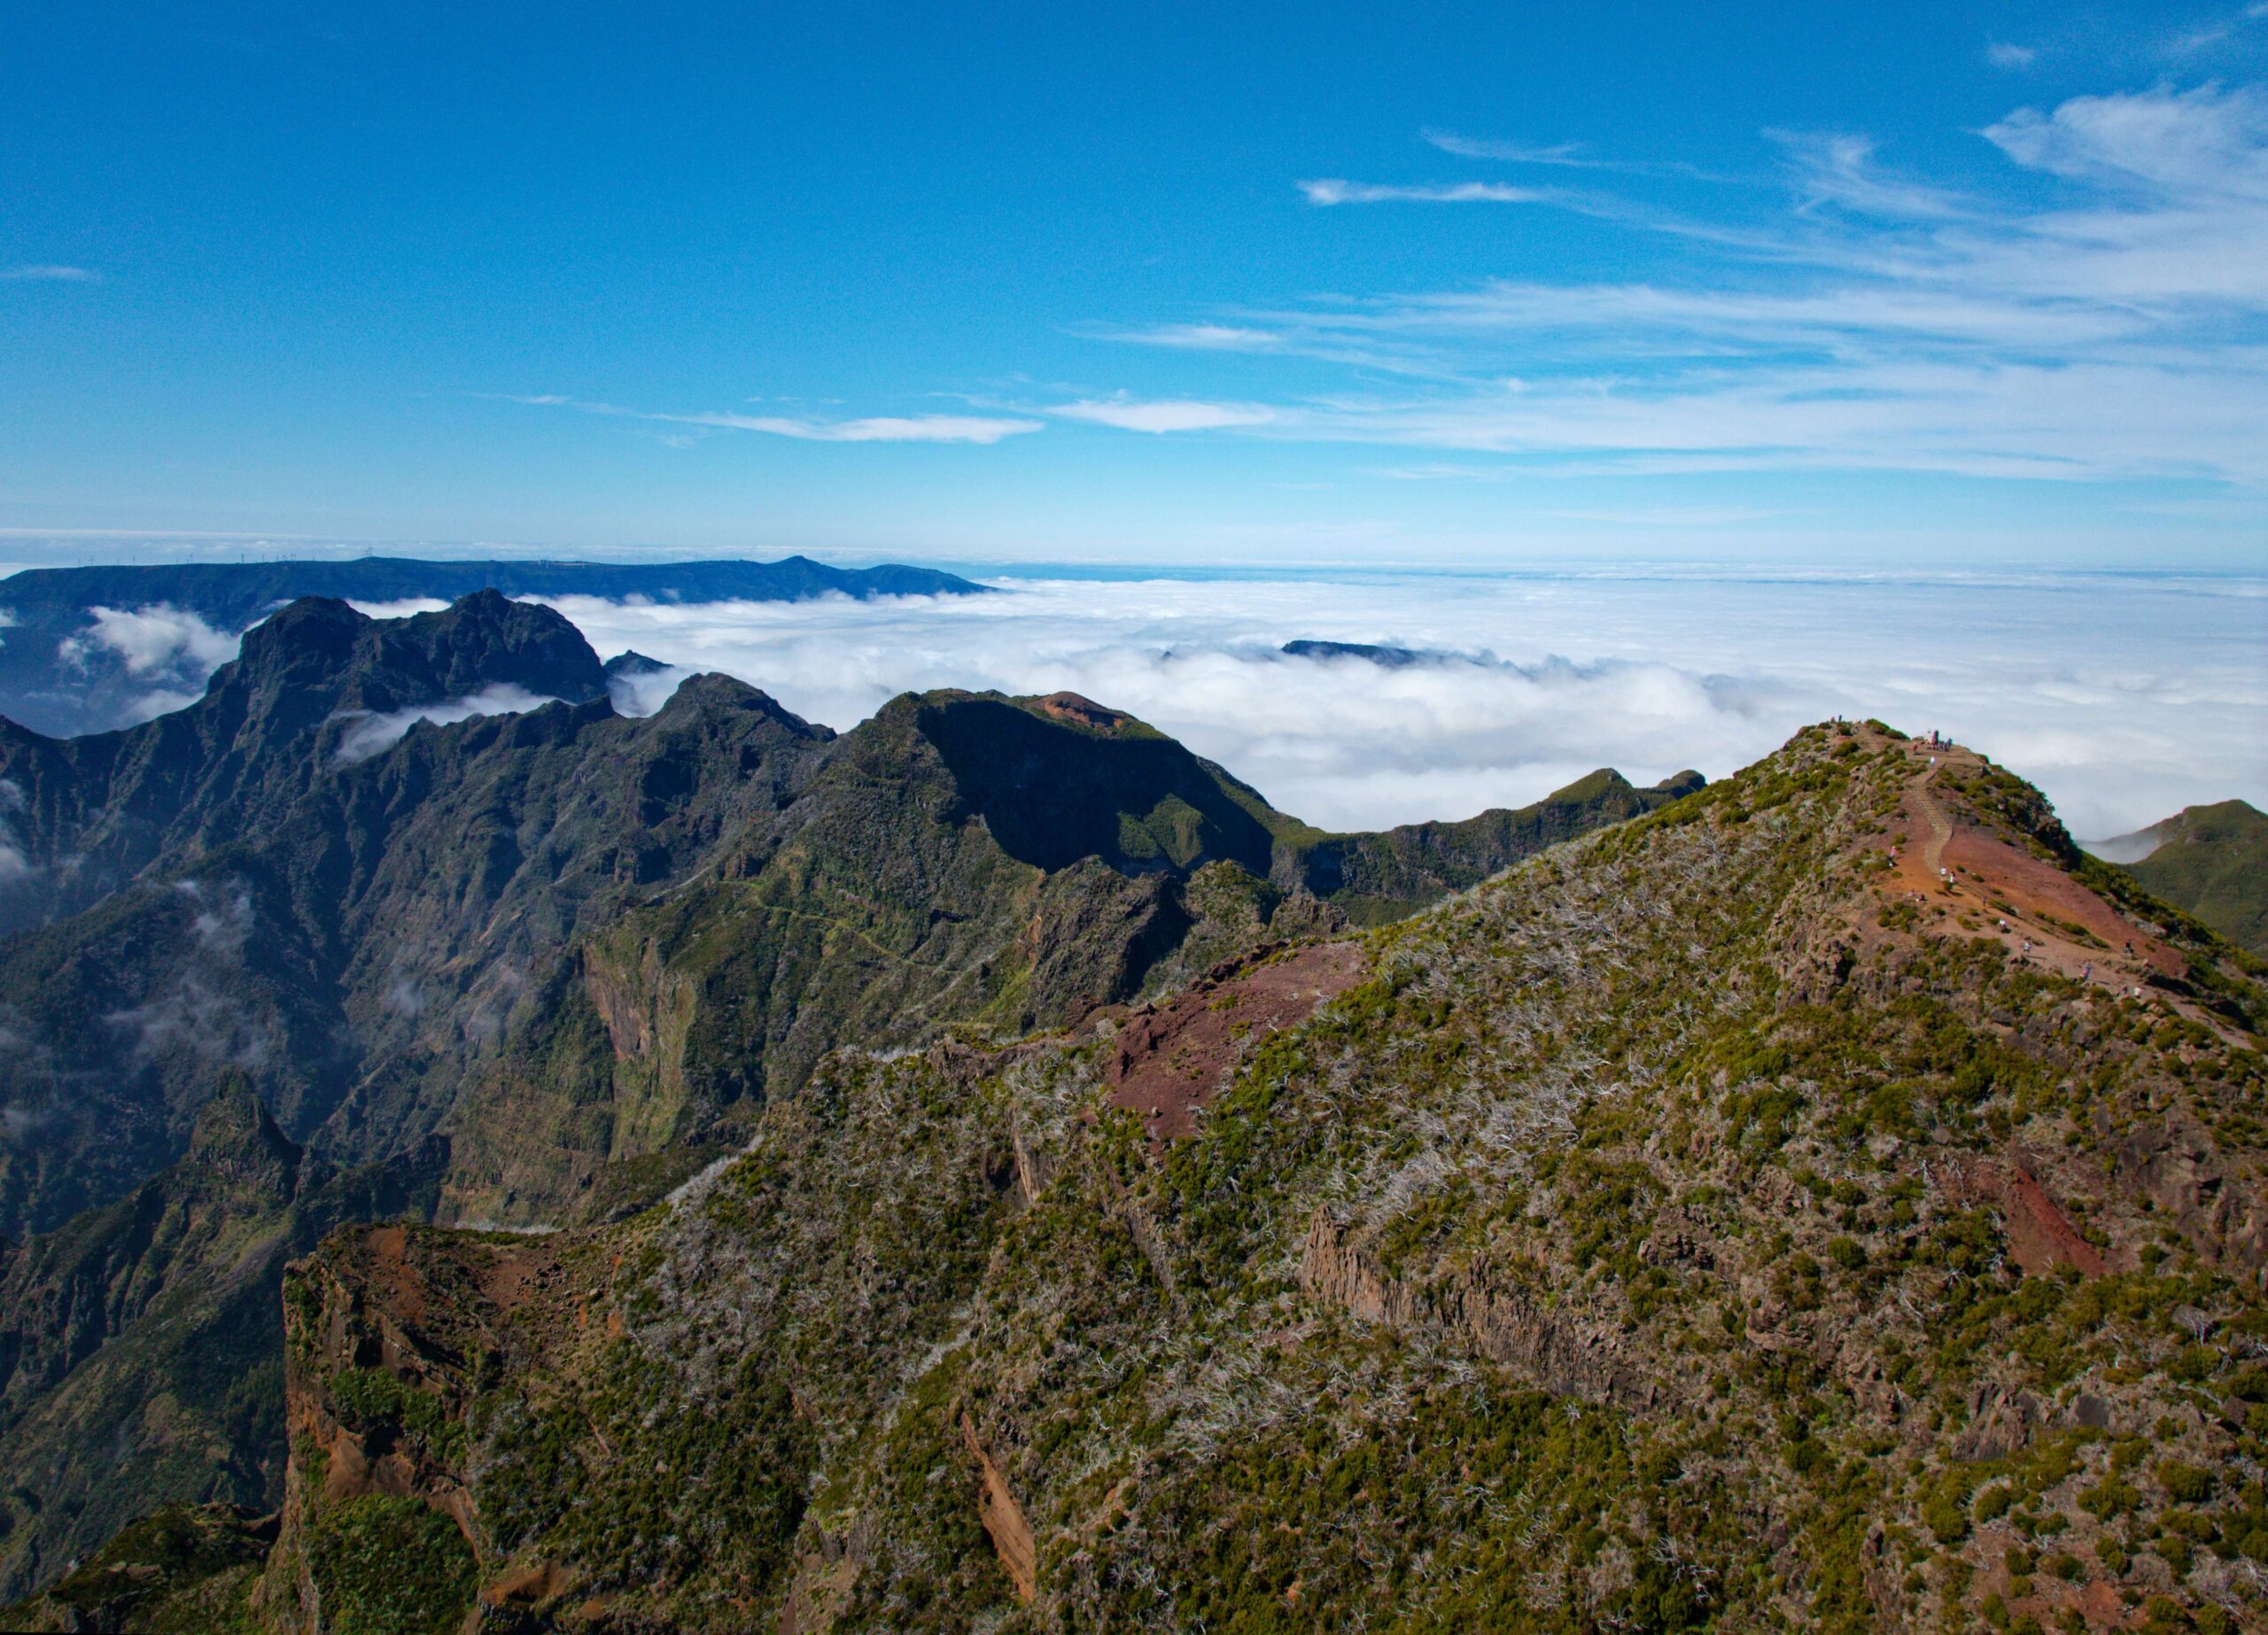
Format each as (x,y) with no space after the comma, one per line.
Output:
(2124,698)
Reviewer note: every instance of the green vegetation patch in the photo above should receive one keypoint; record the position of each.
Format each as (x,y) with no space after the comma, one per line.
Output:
(388,1566)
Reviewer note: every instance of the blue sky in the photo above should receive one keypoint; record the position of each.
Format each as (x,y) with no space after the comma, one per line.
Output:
(1405,285)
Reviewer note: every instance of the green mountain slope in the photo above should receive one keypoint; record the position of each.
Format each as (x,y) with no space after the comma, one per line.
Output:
(1720,1222)
(961,860)
(2212,860)
(1376,878)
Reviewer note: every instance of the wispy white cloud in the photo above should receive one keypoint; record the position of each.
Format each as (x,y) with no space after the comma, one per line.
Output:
(36,273)
(1571,155)
(1566,153)
(370,733)
(2206,142)
(156,638)
(874,428)
(2204,36)
(870,429)
(2003,54)
(1335,190)
(1170,415)
(1885,322)
(1205,337)
(1835,168)
(642,692)
(169,650)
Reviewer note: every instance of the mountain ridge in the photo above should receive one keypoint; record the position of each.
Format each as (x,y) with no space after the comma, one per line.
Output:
(1710,1223)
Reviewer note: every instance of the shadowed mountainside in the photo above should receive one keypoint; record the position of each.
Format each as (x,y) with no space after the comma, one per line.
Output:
(150,1330)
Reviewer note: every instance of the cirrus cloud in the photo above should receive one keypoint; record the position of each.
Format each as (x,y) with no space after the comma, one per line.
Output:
(2089,304)
(1169,415)
(980,429)
(47,273)
(1336,191)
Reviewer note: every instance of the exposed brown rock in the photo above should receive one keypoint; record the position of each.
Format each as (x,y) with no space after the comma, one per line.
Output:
(1505,1324)
(1080,711)
(528,1586)
(2178,1167)
(1002,1520)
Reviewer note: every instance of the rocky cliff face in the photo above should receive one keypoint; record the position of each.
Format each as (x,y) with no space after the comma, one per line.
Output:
(1727,1220)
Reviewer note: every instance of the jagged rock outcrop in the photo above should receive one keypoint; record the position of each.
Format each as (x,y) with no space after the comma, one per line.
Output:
(1004,1522)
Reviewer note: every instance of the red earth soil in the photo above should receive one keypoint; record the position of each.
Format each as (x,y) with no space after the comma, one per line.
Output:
(2041,1236)
(2015,894)
(1171,1058)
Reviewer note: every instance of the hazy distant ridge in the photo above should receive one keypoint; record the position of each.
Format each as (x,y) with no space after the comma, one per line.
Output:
(66,670)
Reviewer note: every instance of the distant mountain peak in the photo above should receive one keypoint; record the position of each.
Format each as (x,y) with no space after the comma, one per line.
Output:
(318,659)
(1384,657)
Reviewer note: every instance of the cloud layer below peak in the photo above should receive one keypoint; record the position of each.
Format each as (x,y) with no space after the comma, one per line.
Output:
(2126,699)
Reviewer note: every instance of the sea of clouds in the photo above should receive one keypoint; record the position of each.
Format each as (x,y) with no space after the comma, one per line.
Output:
(2126,697)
